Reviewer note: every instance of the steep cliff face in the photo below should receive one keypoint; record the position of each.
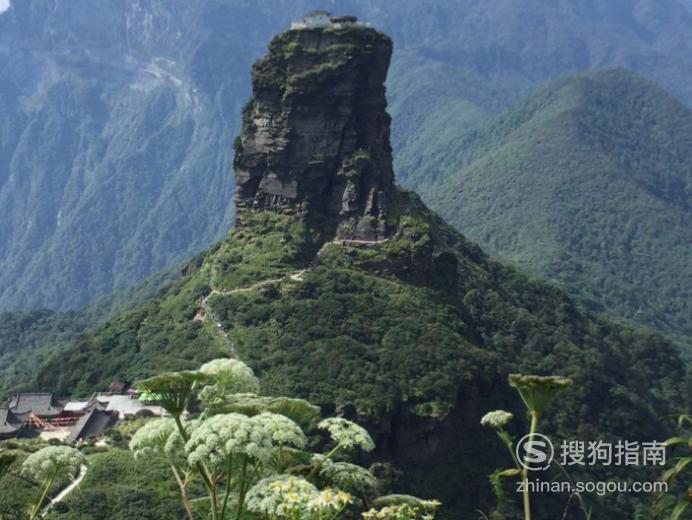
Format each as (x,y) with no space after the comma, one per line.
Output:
(315,139)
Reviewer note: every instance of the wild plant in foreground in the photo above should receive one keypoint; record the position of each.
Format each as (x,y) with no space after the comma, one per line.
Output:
(402,507)
(537,393)
(294,498)
(48,465)
(250,453)
(675,506)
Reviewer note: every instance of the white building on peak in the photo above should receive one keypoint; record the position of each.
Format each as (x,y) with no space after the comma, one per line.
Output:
(325,19)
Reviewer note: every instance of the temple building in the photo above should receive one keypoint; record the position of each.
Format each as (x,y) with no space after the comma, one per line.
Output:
(324,19)
(11,424)
(43,415)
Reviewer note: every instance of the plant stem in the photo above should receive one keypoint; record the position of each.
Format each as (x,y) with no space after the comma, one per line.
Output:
(37,507)
(214,501)
(582,504)
(243,489)
(316,467)
(507,442)
(227,493)
(525,471)
(181,428)
(183,491)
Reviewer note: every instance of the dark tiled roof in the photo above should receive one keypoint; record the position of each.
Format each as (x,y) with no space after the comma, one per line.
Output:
(10,422)
(92,424)
(42,405)
(95,404)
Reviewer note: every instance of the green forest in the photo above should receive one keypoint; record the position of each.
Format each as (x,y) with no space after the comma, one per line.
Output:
(585,183)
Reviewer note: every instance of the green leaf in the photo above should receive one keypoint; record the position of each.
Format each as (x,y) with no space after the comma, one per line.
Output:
(512,472)
(676,470)
(679,509)
(673,441)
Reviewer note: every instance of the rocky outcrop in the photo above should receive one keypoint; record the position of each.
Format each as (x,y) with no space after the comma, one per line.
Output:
(315,137)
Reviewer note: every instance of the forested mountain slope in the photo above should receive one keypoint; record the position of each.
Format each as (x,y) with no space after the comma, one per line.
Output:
(116,118)
(26,339)
(339,287)
(588,182)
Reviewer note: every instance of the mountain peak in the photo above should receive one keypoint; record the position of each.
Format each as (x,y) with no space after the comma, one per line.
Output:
(315,136)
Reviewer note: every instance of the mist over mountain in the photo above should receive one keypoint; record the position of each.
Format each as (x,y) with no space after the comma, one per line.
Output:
(117,118)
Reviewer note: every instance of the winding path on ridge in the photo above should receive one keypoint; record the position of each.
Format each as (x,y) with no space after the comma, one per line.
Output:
(205,310)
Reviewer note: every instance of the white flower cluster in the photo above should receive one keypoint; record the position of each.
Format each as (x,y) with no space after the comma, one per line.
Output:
(156,437)
(235,375)
(51,461)
(403,511)
(286,496)
(496,419)
(220,437)
(347,434)
(283,431)
(231,376)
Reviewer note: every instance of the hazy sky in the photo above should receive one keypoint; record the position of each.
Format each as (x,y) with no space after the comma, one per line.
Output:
(4,4)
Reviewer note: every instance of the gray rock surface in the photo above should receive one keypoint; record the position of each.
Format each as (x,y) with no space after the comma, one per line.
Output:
(315,138)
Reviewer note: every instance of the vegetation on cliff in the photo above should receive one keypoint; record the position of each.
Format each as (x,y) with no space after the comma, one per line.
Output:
(408,334)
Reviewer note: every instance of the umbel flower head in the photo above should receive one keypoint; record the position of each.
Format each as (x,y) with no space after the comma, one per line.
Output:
(52,461)
(347,434)
(288,496)
(226,436)
(497,419)
(231,376)
(395,507)
(298,410)
(538,392)
(158,437)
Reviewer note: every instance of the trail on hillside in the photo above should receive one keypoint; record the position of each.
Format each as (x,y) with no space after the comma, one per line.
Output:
(205,310)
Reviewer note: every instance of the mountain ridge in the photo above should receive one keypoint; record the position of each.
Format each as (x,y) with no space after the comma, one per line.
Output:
(596,165)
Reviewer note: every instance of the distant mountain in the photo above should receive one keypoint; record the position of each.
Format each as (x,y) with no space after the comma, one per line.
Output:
(116,118)
(587,182)
(337,286)
(462,61)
